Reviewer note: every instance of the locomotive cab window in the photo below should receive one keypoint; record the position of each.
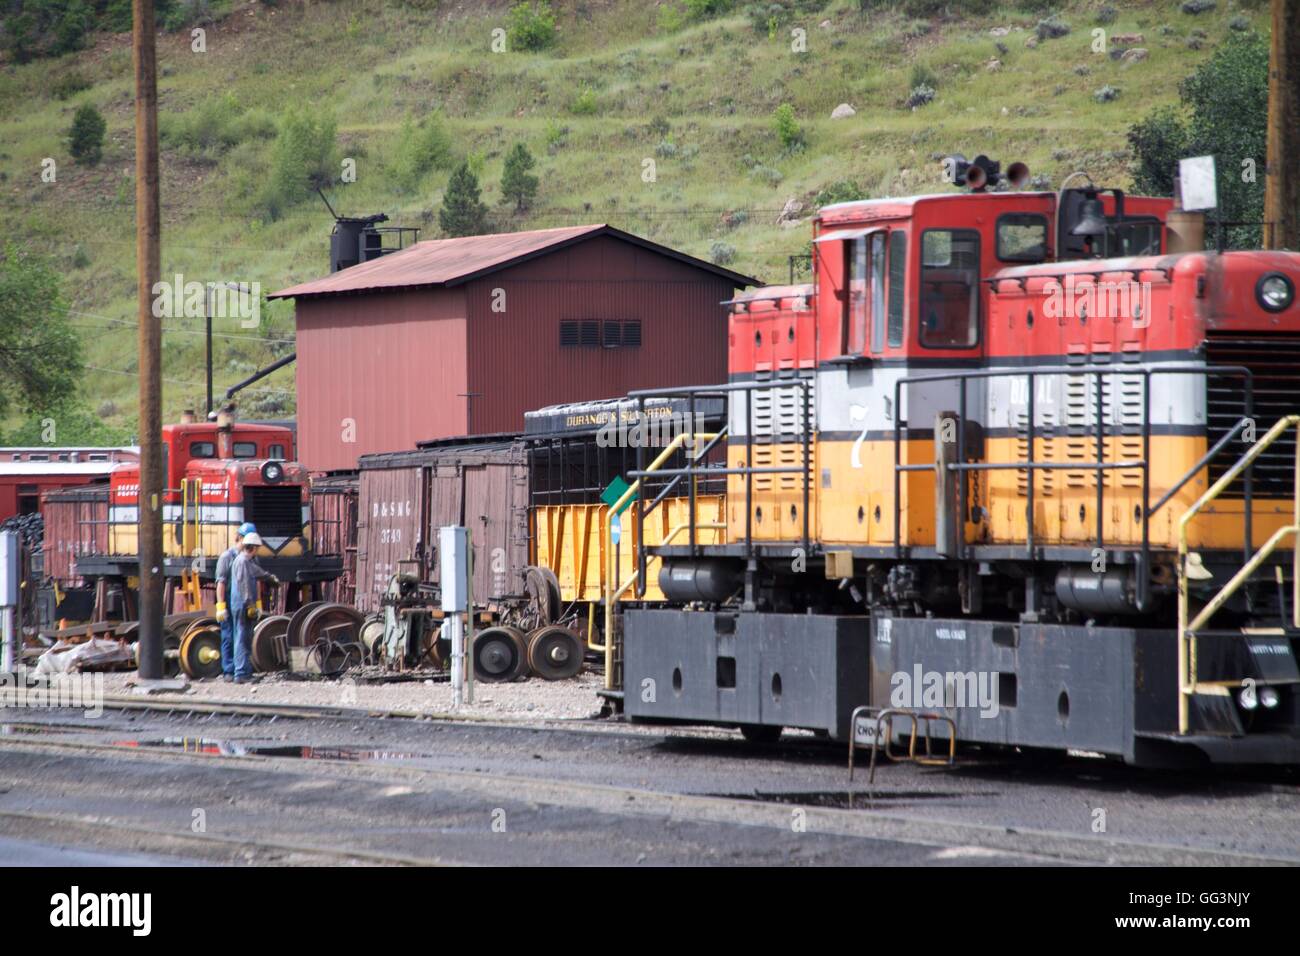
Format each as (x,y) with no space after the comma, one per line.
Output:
(245,449)
(203,449)
(897,285)
(855,301)
(1022,237)
(276,452)
(1134,237)
(950,303)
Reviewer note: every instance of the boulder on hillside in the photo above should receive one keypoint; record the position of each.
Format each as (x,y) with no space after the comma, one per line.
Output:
(790,212)
(843,111)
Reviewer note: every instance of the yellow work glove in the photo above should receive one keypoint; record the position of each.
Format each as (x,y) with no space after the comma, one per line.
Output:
(222,612)
(252,610)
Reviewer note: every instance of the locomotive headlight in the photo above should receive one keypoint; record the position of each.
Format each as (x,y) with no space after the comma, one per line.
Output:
(1268,697)
(1274,292)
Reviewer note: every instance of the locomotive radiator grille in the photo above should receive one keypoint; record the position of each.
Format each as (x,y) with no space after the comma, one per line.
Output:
(276,510)
(1274,362)
(777,419)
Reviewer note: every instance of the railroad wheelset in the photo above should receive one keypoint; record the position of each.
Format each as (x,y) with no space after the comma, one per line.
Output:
(270,650)
(332,633)
(200,649)
(542,589)
(554,652)
(500,654)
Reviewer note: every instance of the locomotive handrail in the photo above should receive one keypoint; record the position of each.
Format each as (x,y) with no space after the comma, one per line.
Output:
(798,380)
(611,569)
(1099,435)
(1187,668)
(677,474)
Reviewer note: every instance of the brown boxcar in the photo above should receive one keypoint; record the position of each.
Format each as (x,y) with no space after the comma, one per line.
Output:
(334,531)
(405,497)
(76,522)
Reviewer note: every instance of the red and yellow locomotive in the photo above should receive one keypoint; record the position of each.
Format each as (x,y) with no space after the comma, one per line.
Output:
(1035,440)
(217,475)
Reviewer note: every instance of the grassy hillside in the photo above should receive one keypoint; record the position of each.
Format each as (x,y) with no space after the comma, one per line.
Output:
(626,81)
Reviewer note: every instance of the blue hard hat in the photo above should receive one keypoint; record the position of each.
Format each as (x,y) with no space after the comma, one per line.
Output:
(247,528)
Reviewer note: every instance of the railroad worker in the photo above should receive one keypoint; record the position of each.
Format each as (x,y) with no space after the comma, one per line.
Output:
(224,564)
(245,572)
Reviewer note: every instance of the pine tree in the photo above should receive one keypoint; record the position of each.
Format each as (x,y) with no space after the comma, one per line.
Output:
(517,185)
(86,137)
(463,213)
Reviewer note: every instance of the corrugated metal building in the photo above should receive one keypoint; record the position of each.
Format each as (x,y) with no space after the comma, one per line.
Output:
(462,336)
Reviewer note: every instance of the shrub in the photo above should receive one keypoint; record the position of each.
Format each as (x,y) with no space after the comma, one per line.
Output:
(86,137)
(557,136)
(920,96)
(71,29)
(216,125)
(1158,142)
(1239,23)
(117,16)
(787,127)
(530,25)
(69,84)
(1106,94)
(722,253)
(421,148)
(1051,28)
(584,104)
(1107,15)
(303,159)
(1198,6)
(20,37)
(844,190)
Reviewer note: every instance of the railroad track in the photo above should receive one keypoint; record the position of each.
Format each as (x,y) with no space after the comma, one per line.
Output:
(1043,844)
(101,833)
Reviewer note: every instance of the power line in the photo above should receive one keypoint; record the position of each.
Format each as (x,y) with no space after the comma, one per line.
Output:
(172,330)
(185,384)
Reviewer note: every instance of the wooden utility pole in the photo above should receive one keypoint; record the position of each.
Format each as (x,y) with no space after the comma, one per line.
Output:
(1282,180)
(148,268)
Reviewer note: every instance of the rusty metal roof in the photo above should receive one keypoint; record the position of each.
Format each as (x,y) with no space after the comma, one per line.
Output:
(447,262)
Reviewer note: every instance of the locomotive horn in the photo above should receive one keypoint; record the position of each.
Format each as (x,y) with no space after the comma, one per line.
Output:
(1017,175)
(976,177)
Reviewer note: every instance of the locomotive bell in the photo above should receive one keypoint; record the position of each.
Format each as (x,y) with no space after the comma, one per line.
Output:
(1092,219)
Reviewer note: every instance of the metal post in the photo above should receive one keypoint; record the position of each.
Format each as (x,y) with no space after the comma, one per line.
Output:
(207,317)
(11,656)
(469,614)
(148,270)
(1031,473)
(453,542)
(1098,472)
